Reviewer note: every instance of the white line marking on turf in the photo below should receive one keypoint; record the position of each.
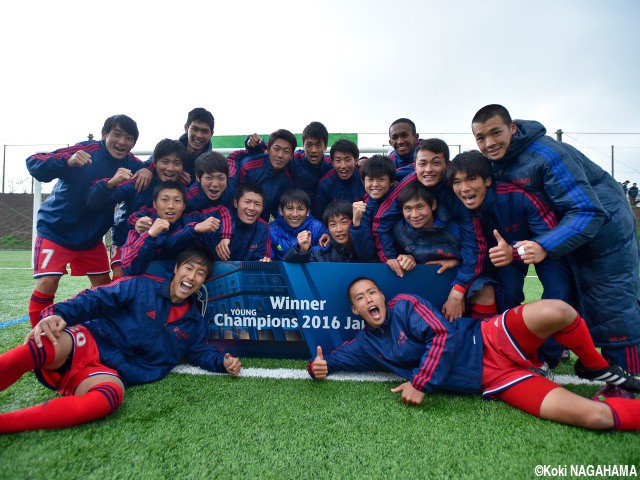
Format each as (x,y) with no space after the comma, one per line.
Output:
(16,268)
(297,374)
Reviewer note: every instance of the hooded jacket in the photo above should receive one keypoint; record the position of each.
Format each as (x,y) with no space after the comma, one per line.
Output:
(596,229)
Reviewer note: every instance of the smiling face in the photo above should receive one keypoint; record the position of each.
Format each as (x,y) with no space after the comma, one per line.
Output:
(314,150)
(430,167)
(213,184)
(169,204)
(493,137)
(418,213)
(187,280)
(470,189)
(294,214)
(280,153)
(338,227)
(344,164)
(198,137)
(169,167)
(402,138)
(368,302)
(249,207)
(377,187)
(118,142)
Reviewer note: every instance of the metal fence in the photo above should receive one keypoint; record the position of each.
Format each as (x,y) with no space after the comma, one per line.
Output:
(617,153)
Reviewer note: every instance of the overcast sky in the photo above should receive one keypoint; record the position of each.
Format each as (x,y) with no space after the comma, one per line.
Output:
(354,65)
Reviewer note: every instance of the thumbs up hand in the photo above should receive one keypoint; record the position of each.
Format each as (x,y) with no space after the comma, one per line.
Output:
(318,368)
(232,364)
(502,254)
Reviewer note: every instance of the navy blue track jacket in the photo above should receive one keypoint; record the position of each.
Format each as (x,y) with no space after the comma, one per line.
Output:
(332,187)
(520,215)
(473,244)
(64,217)
(128,319)
(257,169)
(418,344)
(129,201)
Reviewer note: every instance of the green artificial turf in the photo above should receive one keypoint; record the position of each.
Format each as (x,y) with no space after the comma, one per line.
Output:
(190,426)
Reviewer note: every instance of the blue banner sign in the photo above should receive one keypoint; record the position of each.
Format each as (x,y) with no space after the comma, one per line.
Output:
(285,310)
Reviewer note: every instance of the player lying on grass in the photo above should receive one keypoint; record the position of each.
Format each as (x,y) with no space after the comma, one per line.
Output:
(133,331)
(412,339)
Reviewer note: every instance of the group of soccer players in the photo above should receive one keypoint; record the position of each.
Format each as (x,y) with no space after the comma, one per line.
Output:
(522,199)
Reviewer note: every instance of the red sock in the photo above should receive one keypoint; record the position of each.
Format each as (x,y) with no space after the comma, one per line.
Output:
(23,359)
(626,413)
(479,310)
(577,338)
(528,342)
(39,301)
(61,412)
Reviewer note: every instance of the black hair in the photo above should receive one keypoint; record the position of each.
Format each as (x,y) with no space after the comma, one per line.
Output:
(200,114)
(353,282)
(434,145)
(294,196)
(168,185)
(249,187)
(378,166)
(168,146)
(285,135)
(211,162)
(197,255)
(344,146)
(407,121)
(316,130)
(414,190)
(337,208)
(472,163)
(489,111)
(125,123)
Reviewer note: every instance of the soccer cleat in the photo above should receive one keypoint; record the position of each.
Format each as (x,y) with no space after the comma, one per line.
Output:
(610,391)
(613,375)
(543,370)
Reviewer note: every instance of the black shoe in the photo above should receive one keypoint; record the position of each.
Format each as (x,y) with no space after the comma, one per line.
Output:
(543,370)
(613,375)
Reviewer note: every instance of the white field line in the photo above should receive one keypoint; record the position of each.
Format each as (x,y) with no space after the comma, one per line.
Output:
(298,374)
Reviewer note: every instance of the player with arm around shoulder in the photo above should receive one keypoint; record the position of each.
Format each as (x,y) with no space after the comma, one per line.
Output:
(133,331)
(596,228)
(408,337)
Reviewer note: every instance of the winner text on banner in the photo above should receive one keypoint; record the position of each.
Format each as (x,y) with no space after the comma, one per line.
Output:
(285,310)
